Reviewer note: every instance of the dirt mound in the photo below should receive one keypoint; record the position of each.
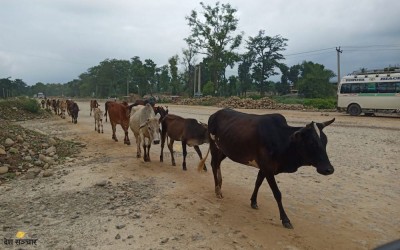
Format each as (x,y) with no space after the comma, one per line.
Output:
(30,153)
(22,109)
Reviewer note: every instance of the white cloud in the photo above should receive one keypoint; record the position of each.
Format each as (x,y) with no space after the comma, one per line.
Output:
(55,41)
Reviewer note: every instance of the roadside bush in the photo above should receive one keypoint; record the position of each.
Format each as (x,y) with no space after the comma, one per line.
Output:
(30,105)
(254,97)
(319,103)
(288,99)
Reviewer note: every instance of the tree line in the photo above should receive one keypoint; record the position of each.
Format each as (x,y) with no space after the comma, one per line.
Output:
(211,47)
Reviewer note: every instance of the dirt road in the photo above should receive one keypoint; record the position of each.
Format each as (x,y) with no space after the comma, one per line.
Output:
(106,198)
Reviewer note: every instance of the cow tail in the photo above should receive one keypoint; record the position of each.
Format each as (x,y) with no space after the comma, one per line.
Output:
(203,161)
(106,108)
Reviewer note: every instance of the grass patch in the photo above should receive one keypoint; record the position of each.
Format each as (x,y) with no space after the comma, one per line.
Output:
(318,103)
(21,108)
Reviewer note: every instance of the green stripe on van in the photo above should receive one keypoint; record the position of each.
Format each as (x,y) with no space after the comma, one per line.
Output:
(376,94)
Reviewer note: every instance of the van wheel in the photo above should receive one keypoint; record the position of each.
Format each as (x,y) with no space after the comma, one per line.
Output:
(354,109)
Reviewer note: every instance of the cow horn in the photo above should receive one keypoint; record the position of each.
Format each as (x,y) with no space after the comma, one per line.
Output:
(324,124)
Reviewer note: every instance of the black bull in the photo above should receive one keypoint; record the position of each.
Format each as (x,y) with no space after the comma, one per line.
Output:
(266,142)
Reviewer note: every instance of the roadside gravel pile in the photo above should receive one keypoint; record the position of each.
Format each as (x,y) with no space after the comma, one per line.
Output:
(26,153)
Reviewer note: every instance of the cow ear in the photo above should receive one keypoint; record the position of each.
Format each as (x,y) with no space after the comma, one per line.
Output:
(296,136)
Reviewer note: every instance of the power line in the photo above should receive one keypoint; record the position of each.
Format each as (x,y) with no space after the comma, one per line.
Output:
(376,45)
(351,48)
(307,52)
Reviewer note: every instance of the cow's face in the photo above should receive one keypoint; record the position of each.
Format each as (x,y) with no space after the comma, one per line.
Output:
(153,128)
(205,138)
(311,143)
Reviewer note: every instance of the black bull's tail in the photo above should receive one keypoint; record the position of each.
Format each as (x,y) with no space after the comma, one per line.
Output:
(201,165)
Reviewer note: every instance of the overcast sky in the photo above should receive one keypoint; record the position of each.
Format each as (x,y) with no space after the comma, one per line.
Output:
(54,41)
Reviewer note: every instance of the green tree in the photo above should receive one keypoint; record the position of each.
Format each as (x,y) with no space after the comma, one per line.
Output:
(150,76)
(283,86)
(5,87)
(188,60)
(244,74)
(213,36)
(208,88)
(173,69)
(138,74)
(265,55)
(314,81)
(293,75)
(164,79)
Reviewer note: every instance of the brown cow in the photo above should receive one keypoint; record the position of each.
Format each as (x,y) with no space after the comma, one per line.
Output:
(48,104)
(160,110)
(63,108)
(43,103)
(69,106)
(119,114)
(106,106)
(93,104)
(54,104)
(189,131)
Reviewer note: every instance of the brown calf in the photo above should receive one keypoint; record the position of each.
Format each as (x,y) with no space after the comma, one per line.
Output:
(93,104)
(189,131)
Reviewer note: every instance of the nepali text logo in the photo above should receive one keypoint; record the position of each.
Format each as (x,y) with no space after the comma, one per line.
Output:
(20,240)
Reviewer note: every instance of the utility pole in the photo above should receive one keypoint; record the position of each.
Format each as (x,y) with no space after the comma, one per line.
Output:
(194,81)
(338,63)
(127,87)
(199,83)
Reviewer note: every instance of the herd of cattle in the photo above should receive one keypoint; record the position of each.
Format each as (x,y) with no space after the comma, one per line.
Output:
(266,142)
(61,106)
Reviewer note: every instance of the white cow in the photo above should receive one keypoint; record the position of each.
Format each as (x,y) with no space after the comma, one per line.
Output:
(145,126)
(98,119)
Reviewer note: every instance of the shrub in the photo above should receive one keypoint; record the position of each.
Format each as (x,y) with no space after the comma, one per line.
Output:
(319,103)
(30,105)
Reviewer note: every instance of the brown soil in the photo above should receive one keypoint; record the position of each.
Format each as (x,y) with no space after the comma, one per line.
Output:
(106,198)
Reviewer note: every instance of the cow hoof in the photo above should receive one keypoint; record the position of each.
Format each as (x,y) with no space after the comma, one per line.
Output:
(254,205)
(184,168)
(219,196)
(173,164)
(218,192)
(205,168)
(287,225)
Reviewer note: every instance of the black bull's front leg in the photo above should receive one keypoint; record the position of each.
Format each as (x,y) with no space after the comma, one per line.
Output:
(277,194)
